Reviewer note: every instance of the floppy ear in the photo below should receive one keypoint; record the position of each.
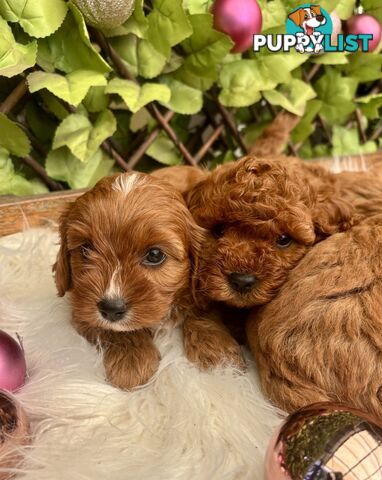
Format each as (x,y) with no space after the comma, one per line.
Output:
(61,269)
(316,9)
(297,16)
(333,216)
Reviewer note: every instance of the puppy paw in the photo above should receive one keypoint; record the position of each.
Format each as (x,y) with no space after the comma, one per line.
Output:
(131,365)
(208,349)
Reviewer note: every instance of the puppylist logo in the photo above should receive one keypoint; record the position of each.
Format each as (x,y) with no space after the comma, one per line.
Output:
(309,29)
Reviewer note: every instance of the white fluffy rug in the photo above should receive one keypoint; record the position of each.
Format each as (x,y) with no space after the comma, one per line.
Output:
(183,425)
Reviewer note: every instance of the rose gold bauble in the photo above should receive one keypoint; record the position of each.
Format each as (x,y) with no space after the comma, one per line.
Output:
(337,27)
(14,433)
(326,441)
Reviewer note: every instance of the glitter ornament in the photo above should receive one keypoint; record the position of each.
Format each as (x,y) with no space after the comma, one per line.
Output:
(105,14)
(326,441)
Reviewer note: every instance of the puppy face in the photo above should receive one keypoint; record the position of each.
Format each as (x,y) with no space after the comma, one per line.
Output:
(262,216)
(126,252)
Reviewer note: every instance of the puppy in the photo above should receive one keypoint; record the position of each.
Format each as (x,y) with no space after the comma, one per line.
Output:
(181,177)
(126,254)
(321,337)
(262,217)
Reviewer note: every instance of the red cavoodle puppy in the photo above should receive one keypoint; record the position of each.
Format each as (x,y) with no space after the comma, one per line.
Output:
(126,255)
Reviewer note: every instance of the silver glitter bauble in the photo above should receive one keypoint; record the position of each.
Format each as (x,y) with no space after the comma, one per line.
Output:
(105,14)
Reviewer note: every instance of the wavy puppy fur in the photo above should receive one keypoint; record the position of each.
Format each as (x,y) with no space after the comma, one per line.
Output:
(263,215)
(126,254)
(321,337)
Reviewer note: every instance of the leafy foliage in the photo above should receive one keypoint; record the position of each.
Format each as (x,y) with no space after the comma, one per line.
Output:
(171,55)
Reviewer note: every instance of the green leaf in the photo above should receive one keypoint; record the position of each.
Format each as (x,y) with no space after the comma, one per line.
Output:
(198,6)
(69,48)
(346,142)
(62,165)
(345,9)
(78,134)
(184,99)
(370,105)
(136,96)
(328,5)
(140,56)
(14,57)
(292,96)
(373,7)
(164,151)
(331,58)
(38,19)
(168,25)
(96,100)
(336,93)
(72,88)
(12,138)
(274,14)
(137,23)
(366,67)
(306,127)
(243,80)
(205,50)
(12,183)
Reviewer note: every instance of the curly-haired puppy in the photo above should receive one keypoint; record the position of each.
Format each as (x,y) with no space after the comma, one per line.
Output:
(321,337)
(263,215)
(127,248)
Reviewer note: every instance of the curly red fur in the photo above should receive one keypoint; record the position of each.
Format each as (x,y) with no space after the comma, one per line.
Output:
(321,337)
(251,203)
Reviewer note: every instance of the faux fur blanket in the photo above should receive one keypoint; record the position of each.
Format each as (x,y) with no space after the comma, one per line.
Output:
(183,425)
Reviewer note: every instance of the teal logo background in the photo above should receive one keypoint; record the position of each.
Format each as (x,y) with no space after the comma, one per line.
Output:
(327,28)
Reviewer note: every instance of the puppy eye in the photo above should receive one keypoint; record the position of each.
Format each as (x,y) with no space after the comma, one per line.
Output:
(154,257)
(218,230)
(283,241)
(86,249)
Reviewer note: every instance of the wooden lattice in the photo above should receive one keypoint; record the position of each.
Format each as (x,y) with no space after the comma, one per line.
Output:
(213,126)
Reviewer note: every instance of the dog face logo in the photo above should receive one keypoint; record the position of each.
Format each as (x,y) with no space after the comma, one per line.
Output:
(311,21)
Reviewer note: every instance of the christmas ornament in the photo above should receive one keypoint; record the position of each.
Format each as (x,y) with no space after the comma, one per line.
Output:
(337,27)
(239,19)
(14,433)
(105,14)
(326,441)
(363,23)
(12,363)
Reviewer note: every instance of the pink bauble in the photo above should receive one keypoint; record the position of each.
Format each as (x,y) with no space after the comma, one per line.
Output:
(337,27)
(240,19)
(365,24)
(12,363)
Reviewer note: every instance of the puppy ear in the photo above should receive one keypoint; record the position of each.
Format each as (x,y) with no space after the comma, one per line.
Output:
(333,216)
(61,269)
(297,17)
(316,9)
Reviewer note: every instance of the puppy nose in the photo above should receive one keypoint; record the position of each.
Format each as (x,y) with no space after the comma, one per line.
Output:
(112,309)
(242,282)
(320,17)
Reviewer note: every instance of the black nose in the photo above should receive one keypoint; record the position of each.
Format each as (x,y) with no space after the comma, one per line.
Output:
(320,18)
(112,309)
(242,282)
